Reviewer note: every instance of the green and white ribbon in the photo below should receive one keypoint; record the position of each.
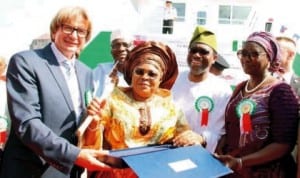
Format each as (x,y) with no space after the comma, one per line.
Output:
(204,104)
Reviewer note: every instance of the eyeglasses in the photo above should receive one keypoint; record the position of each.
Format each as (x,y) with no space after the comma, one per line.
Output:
(150,73)
(201,51)
(250,54)
(68,29)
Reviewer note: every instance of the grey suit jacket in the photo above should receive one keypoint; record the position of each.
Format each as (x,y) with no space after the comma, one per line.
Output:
(42,142)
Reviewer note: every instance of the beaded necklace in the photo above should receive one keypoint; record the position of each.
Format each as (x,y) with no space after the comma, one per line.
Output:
(255,88)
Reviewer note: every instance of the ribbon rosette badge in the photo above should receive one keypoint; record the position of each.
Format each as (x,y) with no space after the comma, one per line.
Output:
(3,129)
(204,104)
(88,97)
(244,110)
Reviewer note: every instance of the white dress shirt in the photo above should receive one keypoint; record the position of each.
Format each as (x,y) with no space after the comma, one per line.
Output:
(71,80)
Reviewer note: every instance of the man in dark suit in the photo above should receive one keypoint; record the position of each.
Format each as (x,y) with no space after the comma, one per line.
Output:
(46,104)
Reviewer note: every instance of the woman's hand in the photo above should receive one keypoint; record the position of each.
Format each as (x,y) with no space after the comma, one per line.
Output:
(188,138)
(95,106)
(231,162)
(91,130)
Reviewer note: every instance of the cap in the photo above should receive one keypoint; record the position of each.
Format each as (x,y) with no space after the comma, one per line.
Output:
(202,35)
(121,33)
(221,63)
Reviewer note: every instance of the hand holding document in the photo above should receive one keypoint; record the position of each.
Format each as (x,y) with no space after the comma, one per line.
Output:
(168,161)
(95,105)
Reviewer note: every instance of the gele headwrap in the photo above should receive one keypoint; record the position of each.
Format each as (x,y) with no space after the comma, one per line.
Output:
(167,61)
(270,45)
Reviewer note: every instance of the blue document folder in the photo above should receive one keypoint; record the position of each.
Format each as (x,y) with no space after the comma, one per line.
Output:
(166,161)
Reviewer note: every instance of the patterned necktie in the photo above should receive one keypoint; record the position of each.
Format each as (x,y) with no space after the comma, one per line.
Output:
(67,65)
(73,86)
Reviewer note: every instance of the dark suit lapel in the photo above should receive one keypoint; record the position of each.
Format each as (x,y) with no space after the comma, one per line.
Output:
(58,76)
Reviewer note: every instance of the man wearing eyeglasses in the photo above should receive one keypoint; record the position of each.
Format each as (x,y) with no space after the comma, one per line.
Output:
(202,95)
(106,75)
(46,104)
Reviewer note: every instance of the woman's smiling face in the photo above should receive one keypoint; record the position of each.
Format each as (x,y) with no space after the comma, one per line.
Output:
(146,77)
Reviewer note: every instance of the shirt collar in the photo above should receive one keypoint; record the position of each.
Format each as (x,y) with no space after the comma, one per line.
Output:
(60,57)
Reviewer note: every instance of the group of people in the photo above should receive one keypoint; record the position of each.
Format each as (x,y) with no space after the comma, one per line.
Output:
(142,98)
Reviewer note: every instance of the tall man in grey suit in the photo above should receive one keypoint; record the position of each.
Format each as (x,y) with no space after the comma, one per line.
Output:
(46,104)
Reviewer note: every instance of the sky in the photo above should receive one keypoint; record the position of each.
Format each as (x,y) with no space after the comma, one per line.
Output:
(23,20)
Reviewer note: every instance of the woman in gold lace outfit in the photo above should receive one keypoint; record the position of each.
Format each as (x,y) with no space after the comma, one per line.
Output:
(143,113)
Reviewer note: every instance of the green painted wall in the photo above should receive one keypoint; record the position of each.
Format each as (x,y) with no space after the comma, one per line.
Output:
(97,51)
